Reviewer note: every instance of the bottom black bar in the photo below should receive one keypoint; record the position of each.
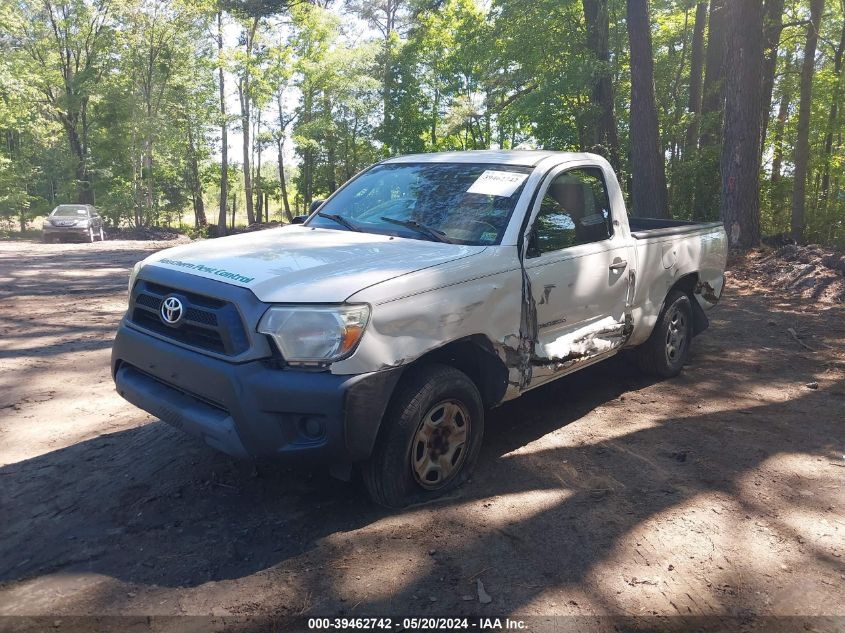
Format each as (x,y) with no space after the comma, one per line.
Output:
(429,624)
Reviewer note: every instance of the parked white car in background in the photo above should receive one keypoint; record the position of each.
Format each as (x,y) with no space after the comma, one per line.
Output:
(424,291)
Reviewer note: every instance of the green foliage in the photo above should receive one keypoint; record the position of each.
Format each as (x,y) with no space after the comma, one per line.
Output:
(120,101)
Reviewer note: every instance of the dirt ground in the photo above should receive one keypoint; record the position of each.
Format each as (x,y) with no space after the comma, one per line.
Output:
(720,492)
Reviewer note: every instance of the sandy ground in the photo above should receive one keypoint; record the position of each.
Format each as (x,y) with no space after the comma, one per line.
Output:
(719,492)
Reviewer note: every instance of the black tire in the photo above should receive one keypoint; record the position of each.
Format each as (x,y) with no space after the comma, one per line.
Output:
(46,239)
(666,350)
(389,474)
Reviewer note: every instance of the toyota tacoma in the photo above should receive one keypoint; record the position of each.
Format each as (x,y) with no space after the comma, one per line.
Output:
(423,292)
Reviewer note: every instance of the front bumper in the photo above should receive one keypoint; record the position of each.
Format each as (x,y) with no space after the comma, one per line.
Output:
(70,231)
(253,409)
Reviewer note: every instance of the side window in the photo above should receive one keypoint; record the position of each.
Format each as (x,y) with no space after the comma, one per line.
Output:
(575,210)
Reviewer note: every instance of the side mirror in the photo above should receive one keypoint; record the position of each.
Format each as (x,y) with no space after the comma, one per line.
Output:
(315,204)
(299,219)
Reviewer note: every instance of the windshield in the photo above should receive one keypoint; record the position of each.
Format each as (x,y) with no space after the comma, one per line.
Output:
(70,210)
(451,202)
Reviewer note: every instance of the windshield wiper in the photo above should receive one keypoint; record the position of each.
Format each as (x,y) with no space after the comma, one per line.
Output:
(340,220)
(437,236)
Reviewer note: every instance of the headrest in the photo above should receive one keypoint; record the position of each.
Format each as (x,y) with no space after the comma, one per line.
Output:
(570,196)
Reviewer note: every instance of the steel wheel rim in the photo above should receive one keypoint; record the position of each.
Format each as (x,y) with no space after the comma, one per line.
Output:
(676,335)
(439,448)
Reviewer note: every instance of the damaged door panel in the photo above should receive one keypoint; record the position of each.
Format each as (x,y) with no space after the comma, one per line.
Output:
(576,258)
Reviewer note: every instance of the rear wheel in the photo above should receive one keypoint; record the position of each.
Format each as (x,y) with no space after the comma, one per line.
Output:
(430,439)
(667,349)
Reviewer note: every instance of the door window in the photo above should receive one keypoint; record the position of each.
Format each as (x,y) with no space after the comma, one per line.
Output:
(575,210)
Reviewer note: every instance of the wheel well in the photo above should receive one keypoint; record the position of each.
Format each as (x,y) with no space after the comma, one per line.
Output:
(687,284)
(476,357)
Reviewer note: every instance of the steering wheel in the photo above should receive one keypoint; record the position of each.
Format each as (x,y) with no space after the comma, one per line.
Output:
(399,204)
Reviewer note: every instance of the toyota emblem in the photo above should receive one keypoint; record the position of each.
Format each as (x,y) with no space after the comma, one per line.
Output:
(171,311)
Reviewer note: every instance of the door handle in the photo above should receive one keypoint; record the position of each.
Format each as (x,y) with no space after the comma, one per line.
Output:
(620,265)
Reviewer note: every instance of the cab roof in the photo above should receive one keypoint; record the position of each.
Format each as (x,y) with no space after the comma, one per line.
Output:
(526,158)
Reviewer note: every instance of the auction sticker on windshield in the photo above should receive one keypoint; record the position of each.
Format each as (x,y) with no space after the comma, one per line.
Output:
(497,183)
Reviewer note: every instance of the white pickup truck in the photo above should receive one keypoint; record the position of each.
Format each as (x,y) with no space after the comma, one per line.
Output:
(426,290)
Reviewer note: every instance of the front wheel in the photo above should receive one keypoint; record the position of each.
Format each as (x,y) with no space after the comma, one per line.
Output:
(430,438)
(667,349)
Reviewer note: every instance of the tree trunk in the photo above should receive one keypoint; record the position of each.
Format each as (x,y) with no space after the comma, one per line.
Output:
(331,147)
(196,184)
(246,120)
(77,150)
(648,165)
(713,96)
(259,210)
(780,127)
(802,144)
(307,153)
(77,53)
(712,107)
(391,8)
(695,79)
(740,161)
(833,117)
(772,27)
(676,105)
(280,144)
(147,177)
(605,139)
(776,195)
(435,112)
(224,143)
(245,128)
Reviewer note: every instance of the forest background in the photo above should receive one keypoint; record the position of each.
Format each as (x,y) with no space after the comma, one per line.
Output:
(222,113)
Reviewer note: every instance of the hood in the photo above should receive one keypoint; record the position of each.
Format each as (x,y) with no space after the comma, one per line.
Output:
(297,264)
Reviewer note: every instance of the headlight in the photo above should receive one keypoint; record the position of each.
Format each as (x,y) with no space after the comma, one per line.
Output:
(315,334)
(134,275)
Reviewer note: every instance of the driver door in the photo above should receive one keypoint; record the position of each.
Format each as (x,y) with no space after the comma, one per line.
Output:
(577,265)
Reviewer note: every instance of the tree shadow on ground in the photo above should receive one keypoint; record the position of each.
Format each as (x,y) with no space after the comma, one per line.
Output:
(150,506)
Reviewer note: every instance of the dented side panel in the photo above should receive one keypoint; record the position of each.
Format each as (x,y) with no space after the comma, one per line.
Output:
(581,306)
(701,253)
(420,312)
(578,298)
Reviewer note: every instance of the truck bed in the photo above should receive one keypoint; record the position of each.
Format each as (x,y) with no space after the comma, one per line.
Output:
(644,228)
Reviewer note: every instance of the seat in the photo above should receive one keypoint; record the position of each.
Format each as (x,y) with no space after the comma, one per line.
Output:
(572,198)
